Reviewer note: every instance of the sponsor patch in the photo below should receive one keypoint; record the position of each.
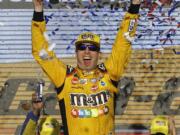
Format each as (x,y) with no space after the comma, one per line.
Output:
(89,113)
(131,24)
(75,80)
(94,87)
(88,36)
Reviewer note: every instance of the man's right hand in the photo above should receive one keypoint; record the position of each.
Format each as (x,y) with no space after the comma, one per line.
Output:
(38,5)
(37,104)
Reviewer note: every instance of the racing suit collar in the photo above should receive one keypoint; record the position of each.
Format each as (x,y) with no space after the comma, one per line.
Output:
(86,73)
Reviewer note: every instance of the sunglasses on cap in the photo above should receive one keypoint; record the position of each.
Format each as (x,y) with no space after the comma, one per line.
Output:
(83,47)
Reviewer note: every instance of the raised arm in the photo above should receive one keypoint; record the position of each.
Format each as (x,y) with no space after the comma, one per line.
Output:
(41,51)
(121,49)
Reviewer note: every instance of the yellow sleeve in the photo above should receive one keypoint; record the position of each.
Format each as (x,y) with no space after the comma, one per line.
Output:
(52,66)
(121,49)
(30,124)
(30,128)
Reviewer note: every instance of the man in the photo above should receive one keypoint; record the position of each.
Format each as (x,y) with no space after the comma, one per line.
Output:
(86,92)
(162,125)
(47,124)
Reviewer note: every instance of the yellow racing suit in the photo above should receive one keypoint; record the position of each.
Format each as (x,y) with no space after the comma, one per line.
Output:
(86,99)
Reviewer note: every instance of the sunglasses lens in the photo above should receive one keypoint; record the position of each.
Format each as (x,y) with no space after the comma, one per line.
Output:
(81,47)
(90,47)
(93,48)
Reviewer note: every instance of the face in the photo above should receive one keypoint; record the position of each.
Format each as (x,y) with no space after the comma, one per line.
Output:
(87,56)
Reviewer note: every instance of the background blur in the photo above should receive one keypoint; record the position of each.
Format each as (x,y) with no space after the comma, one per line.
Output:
(150,86)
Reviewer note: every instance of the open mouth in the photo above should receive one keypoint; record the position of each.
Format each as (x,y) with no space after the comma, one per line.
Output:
(87,60)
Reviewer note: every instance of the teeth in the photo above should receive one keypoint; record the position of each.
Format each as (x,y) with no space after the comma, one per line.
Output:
(87,58)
